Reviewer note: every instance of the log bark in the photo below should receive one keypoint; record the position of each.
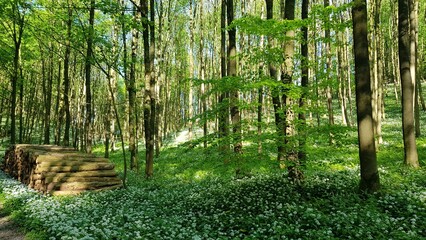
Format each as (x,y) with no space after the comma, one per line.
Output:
(49,169)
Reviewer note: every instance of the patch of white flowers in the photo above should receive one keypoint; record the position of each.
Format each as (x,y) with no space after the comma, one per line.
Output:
(261,207)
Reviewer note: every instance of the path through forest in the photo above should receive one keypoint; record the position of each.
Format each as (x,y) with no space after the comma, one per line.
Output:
(8,229)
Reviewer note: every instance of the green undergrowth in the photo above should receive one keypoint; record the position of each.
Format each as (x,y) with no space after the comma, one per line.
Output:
(198,193)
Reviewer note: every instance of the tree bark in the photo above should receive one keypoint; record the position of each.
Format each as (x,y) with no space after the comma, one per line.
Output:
(414,8)
(367,151)
(66,140)
(131,90)
(407,84)
(329,93)
(232,72)
(149,101)
(88,67)
(223,101)
(276,102)
(304,83)
(18,30)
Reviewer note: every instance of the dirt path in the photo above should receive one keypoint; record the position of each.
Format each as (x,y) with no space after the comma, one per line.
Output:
(8,229)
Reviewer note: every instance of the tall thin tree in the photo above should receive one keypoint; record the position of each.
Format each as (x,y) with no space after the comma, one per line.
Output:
(223,117)
(407,84)
(304,83)
(367,150)
(232,72)
(66,139)
(88,67)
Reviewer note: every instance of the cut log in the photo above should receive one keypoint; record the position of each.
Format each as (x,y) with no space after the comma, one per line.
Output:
(68,158)
(112,180)
(78,186)
(49,168)
(74,168)
(75,192)
(101,173)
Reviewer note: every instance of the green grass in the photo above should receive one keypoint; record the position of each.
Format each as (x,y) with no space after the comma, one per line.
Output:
(197,193)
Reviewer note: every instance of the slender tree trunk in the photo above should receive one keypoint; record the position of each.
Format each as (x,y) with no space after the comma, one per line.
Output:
(88,67)
(18,29)
(149,101)
(111,83)
(367,151)
(232,72)
(202,74)
(260,93)
(191,68)
(414,8)
(131,89)
(276,102)
(223,101)
(47,87)
(408,86)
(304,83)
(66,140)
(290,145)
(329,93)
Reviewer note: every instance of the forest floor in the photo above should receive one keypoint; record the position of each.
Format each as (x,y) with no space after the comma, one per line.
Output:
(199,193)
(9,230)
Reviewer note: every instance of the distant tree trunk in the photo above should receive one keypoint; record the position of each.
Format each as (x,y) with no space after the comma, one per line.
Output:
(149,101)
(153,85)
(304,83)
(421,99)
(367,151)
(329,81)
(21,105)
(66,140)
(18,30)
(223,101)
(202,74)
(376,70)
(88,66)
(232,72)
(290,145)
(342,76)
(191,68)
(47,95)
(414,8)
(131,89)
(276,102)
(260,100)
(408,85)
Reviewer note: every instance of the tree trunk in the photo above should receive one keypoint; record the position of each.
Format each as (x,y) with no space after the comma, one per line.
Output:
(88,66)
(223,101)
(367,151)
(329,93)
(407,84)
(18,29)
(276,102)
(131,89)
(414,8)
(232,72)
(66,140)
(47,95)
(290,145)
(304,83)
(149,101)
(191,68)
(202,75)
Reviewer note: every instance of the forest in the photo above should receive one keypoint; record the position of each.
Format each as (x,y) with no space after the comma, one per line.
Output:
(225,119)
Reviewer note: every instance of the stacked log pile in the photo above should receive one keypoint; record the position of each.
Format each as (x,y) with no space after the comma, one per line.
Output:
(59,170)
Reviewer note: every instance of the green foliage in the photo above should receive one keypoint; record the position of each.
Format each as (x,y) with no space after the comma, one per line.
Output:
(198,193)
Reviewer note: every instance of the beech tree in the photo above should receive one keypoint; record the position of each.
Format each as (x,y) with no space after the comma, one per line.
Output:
(407,84)
(367,150)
